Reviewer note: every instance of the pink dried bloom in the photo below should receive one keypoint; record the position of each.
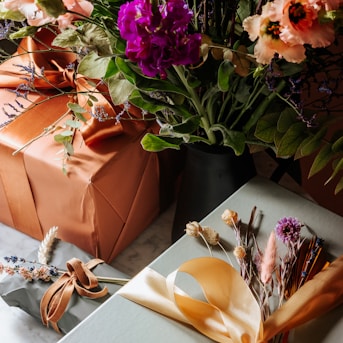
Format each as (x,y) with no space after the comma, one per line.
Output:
(25,273)
(9,270)
(1,268)
(288,230)
(268,261)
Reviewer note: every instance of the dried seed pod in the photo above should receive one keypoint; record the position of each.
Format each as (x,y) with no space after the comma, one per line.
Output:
(230,217)
(239,252)
(211,236)
(193,229)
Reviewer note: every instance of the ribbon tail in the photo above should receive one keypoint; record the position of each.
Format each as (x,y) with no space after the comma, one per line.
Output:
(316,297)
(148,288)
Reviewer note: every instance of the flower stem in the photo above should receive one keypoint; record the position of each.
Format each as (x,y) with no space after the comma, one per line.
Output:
(194,98)
(262,107)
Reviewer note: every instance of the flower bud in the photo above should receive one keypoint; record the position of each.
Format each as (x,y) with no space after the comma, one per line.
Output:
(239,252)
(230,217)
(193,229)
(53,8)
(211,236)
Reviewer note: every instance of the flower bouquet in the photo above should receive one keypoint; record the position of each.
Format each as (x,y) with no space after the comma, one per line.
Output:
(246,73)
(274,290)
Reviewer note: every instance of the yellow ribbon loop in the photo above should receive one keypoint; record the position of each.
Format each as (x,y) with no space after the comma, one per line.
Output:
(79,278)
(230,313)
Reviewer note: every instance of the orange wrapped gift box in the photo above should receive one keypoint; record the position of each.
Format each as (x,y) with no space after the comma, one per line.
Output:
(111,191)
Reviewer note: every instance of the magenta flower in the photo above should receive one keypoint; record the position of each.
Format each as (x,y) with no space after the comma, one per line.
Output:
(288,229)
(157,40)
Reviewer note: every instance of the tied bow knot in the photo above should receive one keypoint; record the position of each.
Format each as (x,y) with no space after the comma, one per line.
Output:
(78,277)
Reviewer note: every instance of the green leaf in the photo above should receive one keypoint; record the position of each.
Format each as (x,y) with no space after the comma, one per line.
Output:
(94,66)
(310,144)
(339,186)
(337,146)
(234,139)
(67,133)
(338,167)
(291,140)
(88,35)
(76,108)
(53,8)
(266,127)
(73,123)
(119,89)
(225,71)
(286,119)
(322,159)
(112,69)
(61,138)
(147,84)
(79,116)
(152,105)
(187,126)
(11,15)
(69,148)
(155,143)
(25,31)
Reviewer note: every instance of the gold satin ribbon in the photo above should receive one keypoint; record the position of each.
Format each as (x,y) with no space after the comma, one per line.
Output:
(231,313)
(79,278)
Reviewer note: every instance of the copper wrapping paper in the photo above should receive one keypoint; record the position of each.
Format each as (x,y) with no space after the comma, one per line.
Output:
(111,192)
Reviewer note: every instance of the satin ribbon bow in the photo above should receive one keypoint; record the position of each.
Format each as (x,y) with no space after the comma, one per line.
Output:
(78,278)
(231,313)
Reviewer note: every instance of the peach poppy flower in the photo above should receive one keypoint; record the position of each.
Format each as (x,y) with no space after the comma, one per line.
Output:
(300,24)
(36,16)
(268,32)
(83,7)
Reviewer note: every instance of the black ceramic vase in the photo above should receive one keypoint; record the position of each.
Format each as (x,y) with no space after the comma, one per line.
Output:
(211,174)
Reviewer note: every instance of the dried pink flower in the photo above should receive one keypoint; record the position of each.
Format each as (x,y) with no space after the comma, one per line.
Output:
(268,261)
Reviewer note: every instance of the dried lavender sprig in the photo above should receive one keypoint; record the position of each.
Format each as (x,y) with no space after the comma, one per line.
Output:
(32,270)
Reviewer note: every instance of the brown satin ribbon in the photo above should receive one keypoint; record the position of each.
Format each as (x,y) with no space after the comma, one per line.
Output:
(78,278)
(36,118)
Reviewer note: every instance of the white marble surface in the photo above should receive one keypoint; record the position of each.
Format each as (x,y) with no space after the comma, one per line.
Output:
(19,327)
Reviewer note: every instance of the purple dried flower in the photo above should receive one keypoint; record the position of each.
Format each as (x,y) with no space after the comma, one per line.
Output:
(288,229)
